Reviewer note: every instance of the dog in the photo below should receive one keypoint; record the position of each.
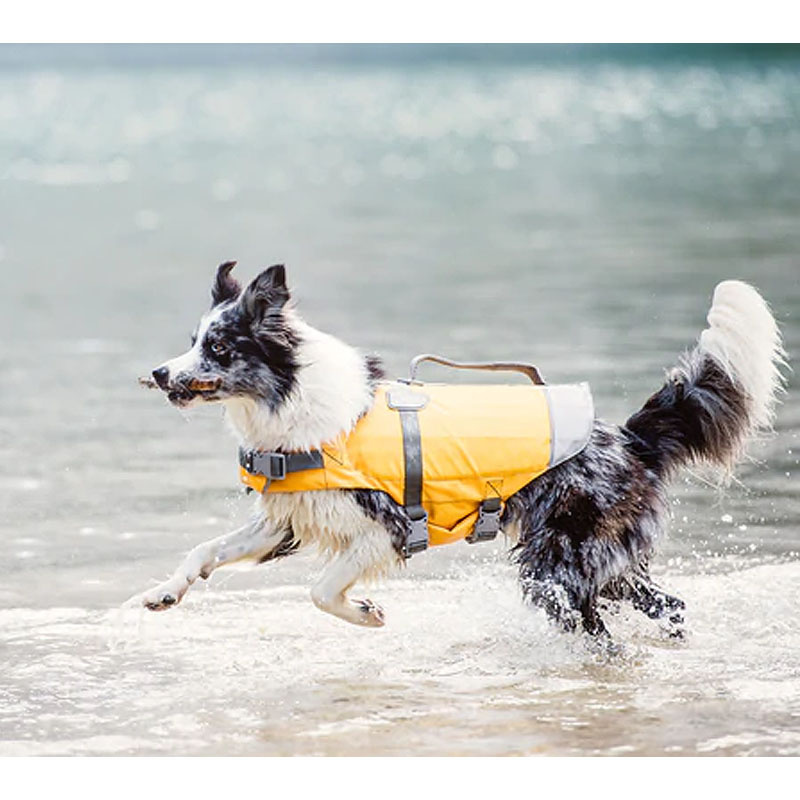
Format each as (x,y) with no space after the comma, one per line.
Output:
(581,534)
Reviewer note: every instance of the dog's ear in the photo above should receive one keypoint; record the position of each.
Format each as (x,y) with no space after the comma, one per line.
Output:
(225,287)
(266,293)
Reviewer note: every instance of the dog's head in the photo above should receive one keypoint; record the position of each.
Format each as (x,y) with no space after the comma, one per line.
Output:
(245,346)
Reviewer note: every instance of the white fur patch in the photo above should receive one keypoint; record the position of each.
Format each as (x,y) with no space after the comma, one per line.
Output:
(334,523)
(331,393)
(188,361)
(743,338)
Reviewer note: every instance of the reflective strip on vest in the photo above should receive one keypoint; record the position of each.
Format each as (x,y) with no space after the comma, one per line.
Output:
(478,442)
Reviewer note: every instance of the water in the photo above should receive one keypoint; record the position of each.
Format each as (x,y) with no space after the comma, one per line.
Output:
(572,213)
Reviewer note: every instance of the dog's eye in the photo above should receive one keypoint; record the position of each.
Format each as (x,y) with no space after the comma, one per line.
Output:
(218,349)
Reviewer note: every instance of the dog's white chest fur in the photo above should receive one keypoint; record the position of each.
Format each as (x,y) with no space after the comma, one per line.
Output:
(334,523)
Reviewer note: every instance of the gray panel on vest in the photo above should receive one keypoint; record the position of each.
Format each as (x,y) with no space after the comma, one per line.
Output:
(402,398)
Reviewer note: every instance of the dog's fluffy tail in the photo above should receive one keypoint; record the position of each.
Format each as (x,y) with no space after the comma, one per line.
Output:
(721,393)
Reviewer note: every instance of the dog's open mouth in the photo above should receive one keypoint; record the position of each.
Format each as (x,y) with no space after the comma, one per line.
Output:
(204,385)
(184,392)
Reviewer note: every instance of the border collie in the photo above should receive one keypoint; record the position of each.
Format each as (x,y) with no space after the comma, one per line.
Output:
(582,532)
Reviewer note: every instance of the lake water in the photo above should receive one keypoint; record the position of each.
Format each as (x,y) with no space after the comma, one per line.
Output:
(576,214)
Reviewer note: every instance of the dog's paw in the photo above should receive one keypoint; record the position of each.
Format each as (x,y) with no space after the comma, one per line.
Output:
(162,597)
(674,627)
(371,614)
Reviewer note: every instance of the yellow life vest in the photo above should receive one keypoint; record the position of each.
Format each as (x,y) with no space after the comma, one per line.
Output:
(479,445)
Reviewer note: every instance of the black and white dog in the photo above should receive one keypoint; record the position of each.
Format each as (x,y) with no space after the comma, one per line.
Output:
(581,532)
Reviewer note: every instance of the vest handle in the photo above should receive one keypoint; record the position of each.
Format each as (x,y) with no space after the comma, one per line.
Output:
(490,366)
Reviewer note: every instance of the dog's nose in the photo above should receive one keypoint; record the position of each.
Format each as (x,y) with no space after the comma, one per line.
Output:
(161,376)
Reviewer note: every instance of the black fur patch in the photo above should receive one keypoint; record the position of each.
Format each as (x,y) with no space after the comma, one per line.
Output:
(260,356)
(225,287)
(287,546)
(375,370)
(378,506)
(699,414)
(266,294)
(583,523)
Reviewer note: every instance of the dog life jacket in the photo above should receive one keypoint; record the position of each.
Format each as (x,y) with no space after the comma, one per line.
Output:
(450,454)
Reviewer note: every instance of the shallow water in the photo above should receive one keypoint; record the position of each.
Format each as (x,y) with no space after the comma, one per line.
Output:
(575,215)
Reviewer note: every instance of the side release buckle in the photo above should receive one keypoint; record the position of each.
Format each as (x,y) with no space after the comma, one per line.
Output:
(271,465)
(488,523)
(417,539)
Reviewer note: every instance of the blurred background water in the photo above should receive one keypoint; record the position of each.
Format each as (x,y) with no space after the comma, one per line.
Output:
(569,206)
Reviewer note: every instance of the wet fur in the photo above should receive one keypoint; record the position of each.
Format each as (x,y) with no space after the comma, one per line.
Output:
(582,533)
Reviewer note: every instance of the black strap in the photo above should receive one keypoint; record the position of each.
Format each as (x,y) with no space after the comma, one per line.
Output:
(412,455)
(417,539)
(275,465)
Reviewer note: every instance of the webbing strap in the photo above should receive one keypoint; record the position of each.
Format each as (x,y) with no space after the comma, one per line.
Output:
(275,465)
(417,539)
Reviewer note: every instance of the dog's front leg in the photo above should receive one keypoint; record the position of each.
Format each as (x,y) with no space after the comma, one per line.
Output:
(256,541)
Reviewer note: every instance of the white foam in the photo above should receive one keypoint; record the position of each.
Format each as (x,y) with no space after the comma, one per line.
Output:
(461,667)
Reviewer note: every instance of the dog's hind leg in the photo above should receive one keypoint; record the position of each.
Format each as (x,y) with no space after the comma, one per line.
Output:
(330,594)
(648,598)
(256,541)
(567,609)
(657,604)
(364,557)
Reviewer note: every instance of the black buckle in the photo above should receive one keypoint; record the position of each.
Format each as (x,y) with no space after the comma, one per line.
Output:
(488,523)
(270,465)
(277,466)
(417,539)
